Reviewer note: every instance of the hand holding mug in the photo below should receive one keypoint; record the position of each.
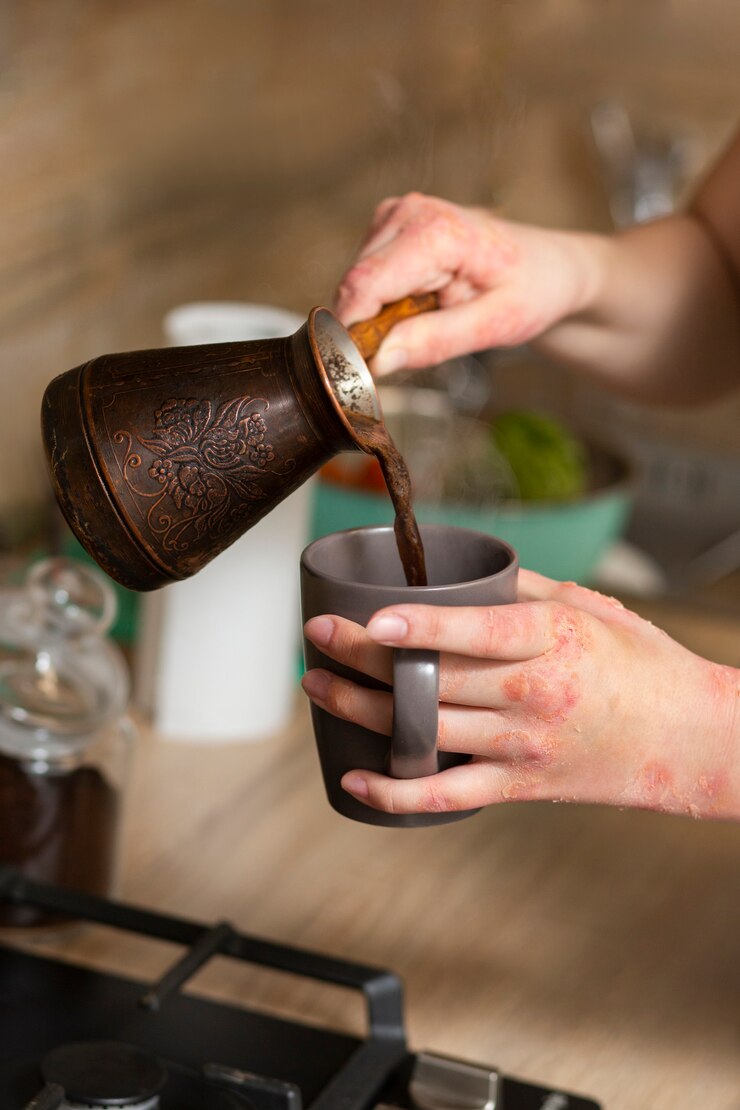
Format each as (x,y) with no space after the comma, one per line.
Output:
(564,696)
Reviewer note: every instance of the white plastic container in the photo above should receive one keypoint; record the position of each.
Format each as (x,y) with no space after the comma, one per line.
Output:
(217,658)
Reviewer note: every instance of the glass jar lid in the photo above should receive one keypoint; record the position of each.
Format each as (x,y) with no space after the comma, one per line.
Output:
(61,679)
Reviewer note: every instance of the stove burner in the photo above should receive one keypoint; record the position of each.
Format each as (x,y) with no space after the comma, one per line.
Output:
(105,1073)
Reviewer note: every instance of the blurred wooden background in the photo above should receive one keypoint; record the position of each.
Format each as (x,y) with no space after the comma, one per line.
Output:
(158,151)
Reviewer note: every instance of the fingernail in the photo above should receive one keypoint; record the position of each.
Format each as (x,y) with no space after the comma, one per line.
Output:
(316,684)
(355,784)
(389,359)
(319,630)
(388,629)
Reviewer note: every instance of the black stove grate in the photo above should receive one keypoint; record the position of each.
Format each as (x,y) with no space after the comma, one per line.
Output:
(357,1081)
(219,1056)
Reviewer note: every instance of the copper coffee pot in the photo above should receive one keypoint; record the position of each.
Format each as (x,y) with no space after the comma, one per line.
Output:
(160,459)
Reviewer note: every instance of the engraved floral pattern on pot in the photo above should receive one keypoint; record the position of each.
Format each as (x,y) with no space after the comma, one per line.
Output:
(181,421)
(196,490)
(161,470)
(206,466)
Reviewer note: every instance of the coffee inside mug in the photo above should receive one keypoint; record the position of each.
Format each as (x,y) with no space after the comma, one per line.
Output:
(368,557)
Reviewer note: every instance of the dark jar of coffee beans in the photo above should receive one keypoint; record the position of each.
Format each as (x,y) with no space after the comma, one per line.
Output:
(65,742)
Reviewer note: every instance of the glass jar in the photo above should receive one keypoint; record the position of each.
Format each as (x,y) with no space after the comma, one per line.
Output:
(65,741)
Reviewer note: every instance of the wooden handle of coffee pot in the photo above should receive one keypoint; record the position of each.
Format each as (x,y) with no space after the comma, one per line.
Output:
(369,334)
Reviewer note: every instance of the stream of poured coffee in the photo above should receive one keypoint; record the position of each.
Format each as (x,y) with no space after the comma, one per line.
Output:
(374,436)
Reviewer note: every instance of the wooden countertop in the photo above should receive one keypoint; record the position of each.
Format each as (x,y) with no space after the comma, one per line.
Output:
(593,949)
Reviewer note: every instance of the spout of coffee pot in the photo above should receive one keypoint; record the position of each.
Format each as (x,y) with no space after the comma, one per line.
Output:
(160,459)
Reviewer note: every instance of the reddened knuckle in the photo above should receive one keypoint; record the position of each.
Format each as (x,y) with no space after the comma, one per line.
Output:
(345,293)
(434,799)
(358,273)
(507,745)
(555,608)
(542,748)
(578,622)
(558,613)
(569,625)
(349,281)
(547,748)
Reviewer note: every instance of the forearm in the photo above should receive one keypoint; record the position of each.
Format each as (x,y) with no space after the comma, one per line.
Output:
(659,319)
(723,715)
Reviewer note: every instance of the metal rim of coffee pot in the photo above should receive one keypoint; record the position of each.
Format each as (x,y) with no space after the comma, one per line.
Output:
(346,378)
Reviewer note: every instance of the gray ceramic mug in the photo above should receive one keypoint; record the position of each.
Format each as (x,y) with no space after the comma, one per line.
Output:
(355,573)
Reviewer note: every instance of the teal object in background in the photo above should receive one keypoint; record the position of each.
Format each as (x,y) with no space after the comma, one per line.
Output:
(563,540)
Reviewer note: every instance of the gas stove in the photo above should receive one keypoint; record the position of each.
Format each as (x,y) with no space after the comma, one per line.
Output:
(75,1039)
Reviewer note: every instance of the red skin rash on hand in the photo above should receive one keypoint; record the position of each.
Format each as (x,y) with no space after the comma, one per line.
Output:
(516,687)
(519,746)
(514,790)
(711,786)
(552,698)
(723,685)
(572,637)
(655,786)
(452,238)
(656,776)
(657,790)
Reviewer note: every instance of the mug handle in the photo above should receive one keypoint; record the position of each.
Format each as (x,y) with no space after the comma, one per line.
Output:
(413,752)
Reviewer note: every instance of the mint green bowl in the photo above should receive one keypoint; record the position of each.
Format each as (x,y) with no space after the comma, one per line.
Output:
(564,539)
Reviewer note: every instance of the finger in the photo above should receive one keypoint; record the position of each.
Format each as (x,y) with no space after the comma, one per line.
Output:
(417,258)
(366,289)
(532,586)
(458,291)
(537,586)
(494,734)
(464,681)
(384,226)
(503,632)
(433,337)
(395,214)
(372,709)
(476,322)
(348,643)
(467,786)
(472,724)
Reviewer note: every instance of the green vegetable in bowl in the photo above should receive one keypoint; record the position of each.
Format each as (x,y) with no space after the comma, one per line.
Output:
(549,464)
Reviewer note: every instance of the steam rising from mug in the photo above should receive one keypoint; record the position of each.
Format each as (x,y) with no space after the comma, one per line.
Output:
(160,459)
